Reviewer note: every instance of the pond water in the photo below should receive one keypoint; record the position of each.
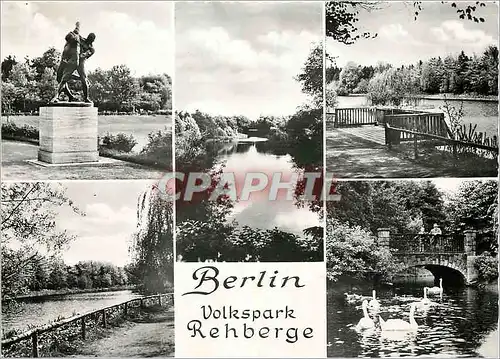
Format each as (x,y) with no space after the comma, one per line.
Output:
(460,324)
(242,158)
(40,311)
(482,113)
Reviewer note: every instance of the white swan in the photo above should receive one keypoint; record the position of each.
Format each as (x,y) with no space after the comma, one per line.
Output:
(436,290)
(425,300)
(366,322)
(399,324)
(374,303)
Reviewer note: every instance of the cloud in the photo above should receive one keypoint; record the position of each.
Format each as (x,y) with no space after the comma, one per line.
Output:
(101,212)
(103,233)
(393,32)
(455,31)
(224,74)
(140,44)
(242,58)
(122,35)
(109,248)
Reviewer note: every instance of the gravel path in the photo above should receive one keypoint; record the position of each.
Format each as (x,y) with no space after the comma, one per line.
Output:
(150,338)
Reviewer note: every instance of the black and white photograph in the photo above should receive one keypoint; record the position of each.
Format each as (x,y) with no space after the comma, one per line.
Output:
(412,89)
(412,269)
(87,269)
(249,114)
(86,90)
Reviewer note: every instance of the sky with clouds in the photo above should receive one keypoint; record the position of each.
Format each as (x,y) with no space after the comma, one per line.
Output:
(241,58)
(106,230)
(401,40)
(137,34)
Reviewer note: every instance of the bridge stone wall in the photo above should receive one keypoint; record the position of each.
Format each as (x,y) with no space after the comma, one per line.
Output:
(461,262)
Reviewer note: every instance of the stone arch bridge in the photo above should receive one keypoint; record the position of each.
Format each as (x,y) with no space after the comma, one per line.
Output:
(450,257)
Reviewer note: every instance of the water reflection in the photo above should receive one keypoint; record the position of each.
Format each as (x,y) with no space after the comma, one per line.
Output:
(455,325)
(242,158)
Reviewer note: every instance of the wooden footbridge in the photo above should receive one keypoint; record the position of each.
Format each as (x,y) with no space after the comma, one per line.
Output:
(391,126)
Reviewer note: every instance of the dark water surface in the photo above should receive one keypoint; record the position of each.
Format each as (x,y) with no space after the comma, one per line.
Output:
(457,325)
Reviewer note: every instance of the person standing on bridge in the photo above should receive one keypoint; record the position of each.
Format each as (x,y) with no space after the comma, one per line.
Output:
(436,232)
(421,239)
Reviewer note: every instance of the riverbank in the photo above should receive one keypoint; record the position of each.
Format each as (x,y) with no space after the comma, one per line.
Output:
(46,293)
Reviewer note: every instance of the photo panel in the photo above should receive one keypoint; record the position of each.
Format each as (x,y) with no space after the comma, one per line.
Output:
(86,90)
(87,269)
(412,89)
(249,213)
(412,268)
(249,131)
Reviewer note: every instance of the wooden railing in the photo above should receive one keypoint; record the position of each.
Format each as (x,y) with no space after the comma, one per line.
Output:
(35,333)
(427,243)
(394,135)
(409,119)
(428,123)
(348,117)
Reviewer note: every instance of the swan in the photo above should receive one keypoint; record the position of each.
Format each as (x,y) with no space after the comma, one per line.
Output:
(366,322)
(399,324)
(436,290)
(374,303)
(425,300)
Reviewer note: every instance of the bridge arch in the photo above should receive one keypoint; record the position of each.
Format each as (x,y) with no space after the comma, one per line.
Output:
(453,272)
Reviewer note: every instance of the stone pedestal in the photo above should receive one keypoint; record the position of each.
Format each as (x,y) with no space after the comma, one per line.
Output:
(68,133)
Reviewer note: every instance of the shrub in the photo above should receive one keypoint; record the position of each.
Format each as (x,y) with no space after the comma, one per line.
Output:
(119,142)
(11,130)
(159,148)
(487,267)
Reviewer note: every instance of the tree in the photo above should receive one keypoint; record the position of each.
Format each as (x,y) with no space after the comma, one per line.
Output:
(47,85)
(28,225)
(9,95)
(311,77)
(99,88)
(22,77)
(152,250)
(349,78)
(158,89)
(396,205)
(352,251)
(475,206)
(342,17)
(123,88)
(7,65)
(49,60)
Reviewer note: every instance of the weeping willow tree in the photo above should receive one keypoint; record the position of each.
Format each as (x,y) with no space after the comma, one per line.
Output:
(152,248)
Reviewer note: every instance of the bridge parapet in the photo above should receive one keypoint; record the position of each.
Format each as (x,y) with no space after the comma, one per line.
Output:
(457,252)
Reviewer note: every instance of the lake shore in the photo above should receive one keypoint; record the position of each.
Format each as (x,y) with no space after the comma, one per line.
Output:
(45,293)
(452,97)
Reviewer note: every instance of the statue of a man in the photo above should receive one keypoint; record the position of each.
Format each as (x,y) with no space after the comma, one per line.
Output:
(76,51)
